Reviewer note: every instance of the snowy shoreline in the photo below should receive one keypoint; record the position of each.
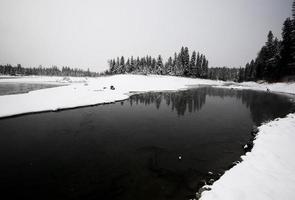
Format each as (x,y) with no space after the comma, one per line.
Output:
(87,91)
(267,172)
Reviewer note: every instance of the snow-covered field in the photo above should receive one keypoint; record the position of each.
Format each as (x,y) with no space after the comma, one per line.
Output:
(267,172)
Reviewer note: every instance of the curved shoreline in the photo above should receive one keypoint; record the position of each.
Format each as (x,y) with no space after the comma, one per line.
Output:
(267,171)
(241,181)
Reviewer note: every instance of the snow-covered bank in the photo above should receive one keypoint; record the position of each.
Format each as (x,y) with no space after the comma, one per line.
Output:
(267,172)
(87,91)
(288,88)
(42,79)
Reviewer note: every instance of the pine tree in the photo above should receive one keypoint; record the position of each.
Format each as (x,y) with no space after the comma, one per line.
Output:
(241,75)
(186,62)
(127,66)
(117,65)
(122,65)
(192,65)
(198,66)
(132,65)
(267,59)
(169,66)
(174,64)
(252,71)
(159,65)
(179,64)
(204,67)
(153,66)
(111,66)
(286,49)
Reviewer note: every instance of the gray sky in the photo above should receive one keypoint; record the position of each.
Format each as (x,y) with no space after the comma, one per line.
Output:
(86,33)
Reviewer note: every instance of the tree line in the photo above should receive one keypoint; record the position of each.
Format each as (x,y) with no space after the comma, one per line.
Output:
(182,64)
(43,71)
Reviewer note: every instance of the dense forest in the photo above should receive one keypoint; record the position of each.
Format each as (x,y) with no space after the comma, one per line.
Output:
(41,71)
(182,64)
(275,62)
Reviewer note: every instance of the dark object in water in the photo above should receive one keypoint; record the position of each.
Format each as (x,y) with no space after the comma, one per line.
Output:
(267,90)
(112,87)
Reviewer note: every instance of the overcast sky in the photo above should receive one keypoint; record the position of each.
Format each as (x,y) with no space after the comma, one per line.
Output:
(86,33)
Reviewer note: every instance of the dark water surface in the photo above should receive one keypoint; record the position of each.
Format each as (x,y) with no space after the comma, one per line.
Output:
(131,149)
(7,88)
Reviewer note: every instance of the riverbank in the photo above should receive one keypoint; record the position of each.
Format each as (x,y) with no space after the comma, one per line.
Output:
(88,91)
(267,172)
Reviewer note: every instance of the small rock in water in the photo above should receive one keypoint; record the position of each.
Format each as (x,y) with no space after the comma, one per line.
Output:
(248,147)
(211,181)
(254,131)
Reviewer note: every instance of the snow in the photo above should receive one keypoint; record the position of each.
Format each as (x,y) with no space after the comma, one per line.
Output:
(267,172)
(288,88)
(42,79)
(87,91)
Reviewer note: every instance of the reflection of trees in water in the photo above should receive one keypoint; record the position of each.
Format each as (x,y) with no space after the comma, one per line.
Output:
(178,101)
(263,106)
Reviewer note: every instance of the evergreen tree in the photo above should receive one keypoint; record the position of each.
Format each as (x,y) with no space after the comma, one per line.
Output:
(286,49)
(153,66)
(186,62)
(159,65)
(192,66)
(127,66)
(252,71)
(117,65)
(111,66)
(241,75)
(179,64)
(122,65)
(132,65)
(267,59)
(198,66)
(174,64)
(169,66)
